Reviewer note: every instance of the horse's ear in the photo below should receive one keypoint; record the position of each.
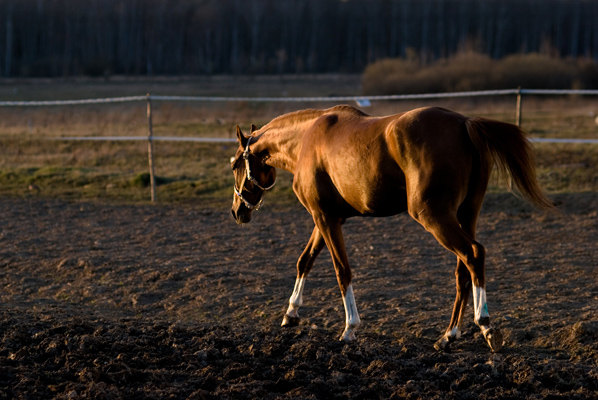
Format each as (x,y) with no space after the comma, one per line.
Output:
(253,128)
(241,137)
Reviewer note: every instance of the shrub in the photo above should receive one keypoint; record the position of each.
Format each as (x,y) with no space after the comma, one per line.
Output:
(476,71)
(588,74)
(534,71)
(387,75)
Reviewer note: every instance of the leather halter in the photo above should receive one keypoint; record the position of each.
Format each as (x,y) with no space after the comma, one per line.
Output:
(250,177)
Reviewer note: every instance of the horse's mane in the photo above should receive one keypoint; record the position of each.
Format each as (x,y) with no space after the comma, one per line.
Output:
(297,117)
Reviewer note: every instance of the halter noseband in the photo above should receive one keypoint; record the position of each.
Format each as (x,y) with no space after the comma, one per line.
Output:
(251,178)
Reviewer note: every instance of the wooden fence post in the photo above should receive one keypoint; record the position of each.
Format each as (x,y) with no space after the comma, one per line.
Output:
(518,110)
(150,149)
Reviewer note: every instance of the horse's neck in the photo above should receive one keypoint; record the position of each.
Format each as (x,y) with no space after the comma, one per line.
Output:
(283,142)
(283,146)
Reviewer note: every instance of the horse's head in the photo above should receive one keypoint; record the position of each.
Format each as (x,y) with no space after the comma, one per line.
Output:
(253,177)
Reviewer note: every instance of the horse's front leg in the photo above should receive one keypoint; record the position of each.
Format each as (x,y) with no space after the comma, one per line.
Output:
(330,229)
(304,264)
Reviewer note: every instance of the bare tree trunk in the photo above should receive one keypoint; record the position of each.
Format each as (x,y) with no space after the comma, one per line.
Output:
(9,39)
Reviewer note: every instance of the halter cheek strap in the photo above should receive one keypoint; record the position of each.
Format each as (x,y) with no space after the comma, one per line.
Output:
(246,202)
(250,177)
(248,168)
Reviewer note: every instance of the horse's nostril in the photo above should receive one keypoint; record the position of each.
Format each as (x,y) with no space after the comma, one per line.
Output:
(234,214)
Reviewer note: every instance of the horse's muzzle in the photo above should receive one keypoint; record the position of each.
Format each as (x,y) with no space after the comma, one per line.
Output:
(241,217)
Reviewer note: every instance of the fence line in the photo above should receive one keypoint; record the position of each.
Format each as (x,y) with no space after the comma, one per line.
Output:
(553,92)
(480,93)
(422,96)
(144,138)
(361,100)
(38,103)
(559,140)
(232,140)
(41,103)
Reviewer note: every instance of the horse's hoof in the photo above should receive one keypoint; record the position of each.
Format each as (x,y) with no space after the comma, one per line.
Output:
(347,336)
(494,339)
(442,344)
(289,321)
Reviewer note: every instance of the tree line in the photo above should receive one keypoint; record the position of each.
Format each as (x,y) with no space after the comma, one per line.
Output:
(103,37)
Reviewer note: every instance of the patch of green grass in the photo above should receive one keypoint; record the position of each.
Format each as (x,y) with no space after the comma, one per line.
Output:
(143,179)
(200,172)
(66,182)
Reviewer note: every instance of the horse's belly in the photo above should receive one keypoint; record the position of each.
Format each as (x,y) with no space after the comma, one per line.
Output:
(376,198)
(369,180)
(384,202)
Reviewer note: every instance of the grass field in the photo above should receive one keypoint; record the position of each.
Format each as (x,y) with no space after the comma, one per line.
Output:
(35,162)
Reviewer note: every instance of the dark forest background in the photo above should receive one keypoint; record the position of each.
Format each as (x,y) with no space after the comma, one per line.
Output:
(153,37)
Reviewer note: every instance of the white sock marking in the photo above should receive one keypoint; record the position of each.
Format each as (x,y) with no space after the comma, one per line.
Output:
(453,333)
(480,307)
(352,319)
(296,299)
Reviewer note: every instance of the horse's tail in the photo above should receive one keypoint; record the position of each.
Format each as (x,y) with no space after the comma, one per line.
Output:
(508,148)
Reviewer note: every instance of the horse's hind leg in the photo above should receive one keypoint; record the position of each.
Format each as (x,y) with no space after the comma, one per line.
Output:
(304,264)
(467,216)
(447,230)
(453,331)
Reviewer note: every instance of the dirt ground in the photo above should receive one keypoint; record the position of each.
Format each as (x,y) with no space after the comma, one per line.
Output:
(176,301)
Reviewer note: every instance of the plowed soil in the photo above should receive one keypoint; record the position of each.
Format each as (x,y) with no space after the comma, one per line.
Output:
(177,301)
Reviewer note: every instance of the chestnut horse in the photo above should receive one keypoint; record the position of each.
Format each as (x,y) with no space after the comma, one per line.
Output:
(431,162)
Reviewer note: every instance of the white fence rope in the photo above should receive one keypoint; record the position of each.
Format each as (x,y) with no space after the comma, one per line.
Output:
(145,138)
(562,140)
(559,92)
(39,103)
(422,96)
